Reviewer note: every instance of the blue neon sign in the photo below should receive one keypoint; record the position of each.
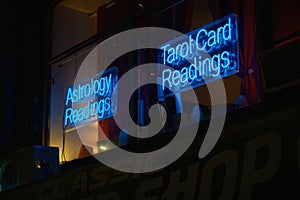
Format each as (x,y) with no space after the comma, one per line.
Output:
(91,99)
(207,53)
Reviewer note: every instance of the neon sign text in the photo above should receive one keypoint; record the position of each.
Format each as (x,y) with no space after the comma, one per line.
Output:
(101,87)
(91,99)
(207,54)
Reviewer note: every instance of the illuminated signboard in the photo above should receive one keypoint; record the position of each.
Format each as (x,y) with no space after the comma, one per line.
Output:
(206,54)
(91,99)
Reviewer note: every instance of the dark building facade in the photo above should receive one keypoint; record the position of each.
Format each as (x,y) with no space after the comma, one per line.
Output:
(45,43)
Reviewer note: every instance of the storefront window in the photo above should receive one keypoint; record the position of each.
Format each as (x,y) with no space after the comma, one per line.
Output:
(78,30)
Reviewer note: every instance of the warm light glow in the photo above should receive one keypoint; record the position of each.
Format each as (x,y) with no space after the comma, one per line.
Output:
(103,148)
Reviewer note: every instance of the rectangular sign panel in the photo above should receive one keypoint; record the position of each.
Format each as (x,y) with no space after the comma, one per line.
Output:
(91,99)
(202,56)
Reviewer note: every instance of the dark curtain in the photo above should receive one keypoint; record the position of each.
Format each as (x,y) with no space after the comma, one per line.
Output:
(177,15)
(249,68)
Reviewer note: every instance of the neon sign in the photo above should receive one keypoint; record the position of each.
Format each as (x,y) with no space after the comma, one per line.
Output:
(91,99)
(205,55)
